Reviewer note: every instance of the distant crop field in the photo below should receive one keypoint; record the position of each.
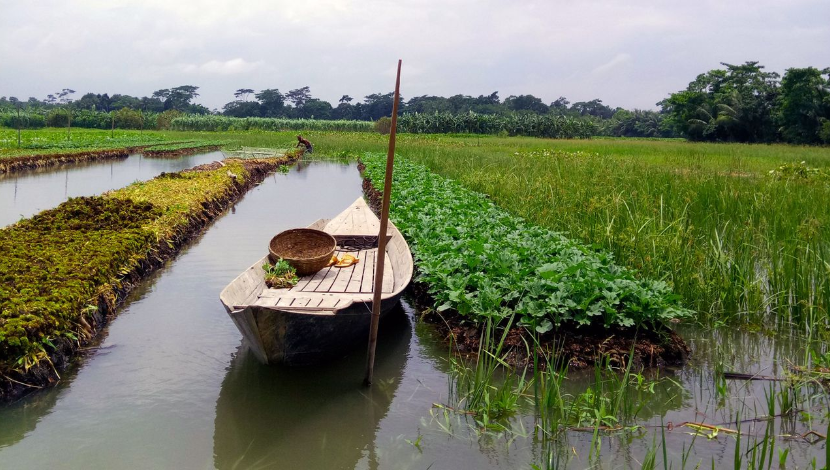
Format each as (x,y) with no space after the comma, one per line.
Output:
(54,140)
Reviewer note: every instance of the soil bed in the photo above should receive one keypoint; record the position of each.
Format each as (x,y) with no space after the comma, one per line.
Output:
(578,347)
(69,269)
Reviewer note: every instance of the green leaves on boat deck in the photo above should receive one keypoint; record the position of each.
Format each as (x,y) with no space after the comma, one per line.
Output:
(483,262)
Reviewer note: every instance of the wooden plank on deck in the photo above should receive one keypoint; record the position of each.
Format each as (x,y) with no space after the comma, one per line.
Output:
(345,275)
(368,272)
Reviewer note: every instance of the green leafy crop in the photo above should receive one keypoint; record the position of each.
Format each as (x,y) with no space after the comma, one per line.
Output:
(483,262)
(280,274)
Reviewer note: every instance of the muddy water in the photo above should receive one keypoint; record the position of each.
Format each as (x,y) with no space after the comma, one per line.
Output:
(171,384)
(27,193)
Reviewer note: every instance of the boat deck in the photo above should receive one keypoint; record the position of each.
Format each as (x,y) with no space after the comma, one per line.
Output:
(332,288)
(356,279)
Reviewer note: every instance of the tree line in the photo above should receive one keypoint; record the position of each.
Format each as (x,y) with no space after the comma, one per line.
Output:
(739,103)
(300,104)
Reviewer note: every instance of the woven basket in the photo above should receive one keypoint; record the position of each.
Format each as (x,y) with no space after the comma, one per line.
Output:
(307,250)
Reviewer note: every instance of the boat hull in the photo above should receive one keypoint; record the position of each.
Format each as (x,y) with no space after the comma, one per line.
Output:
(305,338)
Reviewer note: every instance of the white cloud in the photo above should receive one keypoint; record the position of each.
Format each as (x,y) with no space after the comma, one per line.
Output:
(618,60)
(229,67)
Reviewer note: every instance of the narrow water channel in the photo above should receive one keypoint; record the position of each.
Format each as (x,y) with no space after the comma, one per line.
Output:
(171,385)
(27,193)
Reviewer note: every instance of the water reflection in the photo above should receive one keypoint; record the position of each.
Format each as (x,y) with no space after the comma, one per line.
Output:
(318,417)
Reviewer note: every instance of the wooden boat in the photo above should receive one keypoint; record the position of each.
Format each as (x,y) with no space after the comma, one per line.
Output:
(327,313)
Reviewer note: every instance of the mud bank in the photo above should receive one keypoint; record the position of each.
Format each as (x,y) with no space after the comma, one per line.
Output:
(47,160)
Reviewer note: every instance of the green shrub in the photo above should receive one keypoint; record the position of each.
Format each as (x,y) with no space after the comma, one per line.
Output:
(383,125)
(824,132)
(27,120)
(57,118)
(89,119)
(164,120)
(126,118)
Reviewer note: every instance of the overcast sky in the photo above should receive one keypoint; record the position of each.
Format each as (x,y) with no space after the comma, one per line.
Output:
(629,53)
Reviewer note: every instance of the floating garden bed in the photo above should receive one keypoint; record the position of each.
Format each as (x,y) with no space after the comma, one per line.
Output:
(66,270)
(476,262)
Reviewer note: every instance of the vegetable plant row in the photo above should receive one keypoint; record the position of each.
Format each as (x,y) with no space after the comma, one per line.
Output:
(483,262)
(64,270)
(52,139)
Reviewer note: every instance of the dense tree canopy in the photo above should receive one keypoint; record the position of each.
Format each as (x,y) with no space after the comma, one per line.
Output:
(744,103)
(804,108)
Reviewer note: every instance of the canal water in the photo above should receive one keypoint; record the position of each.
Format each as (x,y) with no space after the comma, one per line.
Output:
(170,384)
(24,194)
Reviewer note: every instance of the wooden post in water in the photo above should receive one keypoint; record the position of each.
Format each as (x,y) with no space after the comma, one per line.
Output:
(384,222)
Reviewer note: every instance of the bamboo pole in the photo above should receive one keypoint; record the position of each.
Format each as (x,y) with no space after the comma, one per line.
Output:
(384,222)
(18,125)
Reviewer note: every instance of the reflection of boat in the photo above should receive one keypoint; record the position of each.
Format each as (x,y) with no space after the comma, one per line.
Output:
(301,418)
(327,313)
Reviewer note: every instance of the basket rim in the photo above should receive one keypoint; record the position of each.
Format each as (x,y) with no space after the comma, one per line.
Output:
(292,231)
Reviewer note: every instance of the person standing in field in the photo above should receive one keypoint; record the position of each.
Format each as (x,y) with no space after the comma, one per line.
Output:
(305,143)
